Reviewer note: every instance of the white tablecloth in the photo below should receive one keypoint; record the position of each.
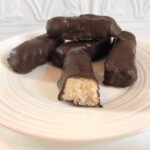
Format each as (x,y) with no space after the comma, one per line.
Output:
(10,140)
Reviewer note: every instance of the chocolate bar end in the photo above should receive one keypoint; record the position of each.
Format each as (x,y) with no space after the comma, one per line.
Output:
(80,91)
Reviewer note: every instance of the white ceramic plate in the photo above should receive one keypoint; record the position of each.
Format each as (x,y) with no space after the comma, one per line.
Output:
(28,103)
(4,145)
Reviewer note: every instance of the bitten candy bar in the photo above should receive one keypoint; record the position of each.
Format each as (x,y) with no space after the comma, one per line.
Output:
(78,83)
(120,69)
(96,49)
(32,53)
(84,27)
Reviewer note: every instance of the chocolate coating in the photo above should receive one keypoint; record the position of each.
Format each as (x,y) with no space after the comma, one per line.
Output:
(84,27)
(76,64)
(96,49)
(120,69)
(32,53)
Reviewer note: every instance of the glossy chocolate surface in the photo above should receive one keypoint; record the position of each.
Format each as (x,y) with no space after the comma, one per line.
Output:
(120,69)
(96,49)
(76,64)
(83,27)
(32,53)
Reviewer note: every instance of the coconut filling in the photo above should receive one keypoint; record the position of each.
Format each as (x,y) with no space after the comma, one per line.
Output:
(81,91)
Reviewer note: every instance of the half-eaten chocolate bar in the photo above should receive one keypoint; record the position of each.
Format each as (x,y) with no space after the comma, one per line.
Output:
(78,83)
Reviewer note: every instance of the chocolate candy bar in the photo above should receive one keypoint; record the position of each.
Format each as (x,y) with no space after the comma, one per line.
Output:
(97,50)
(78,83)
(84,27)
(120,69)
(32,53)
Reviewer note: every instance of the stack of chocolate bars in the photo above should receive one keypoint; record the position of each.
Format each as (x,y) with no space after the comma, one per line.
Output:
(89,38)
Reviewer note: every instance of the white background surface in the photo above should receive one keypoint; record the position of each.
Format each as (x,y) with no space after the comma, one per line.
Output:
(14,141)
(27,15)
(18,16)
